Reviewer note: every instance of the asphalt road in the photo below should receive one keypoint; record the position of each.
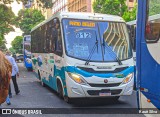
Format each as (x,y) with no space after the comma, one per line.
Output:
(33,95)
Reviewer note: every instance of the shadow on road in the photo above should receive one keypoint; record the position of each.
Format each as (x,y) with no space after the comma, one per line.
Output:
(90,102)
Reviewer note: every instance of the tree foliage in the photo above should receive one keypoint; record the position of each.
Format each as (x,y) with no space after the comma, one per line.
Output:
(16,44)
(41,3)
(28,18)
(130,15)
(6,19)
(6,23)
(115,7)
(46,3)
(12,50)
(154,7)
(2,42)
(8,1)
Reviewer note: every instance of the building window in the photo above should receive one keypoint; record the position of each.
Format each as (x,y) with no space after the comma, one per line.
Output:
(131,0)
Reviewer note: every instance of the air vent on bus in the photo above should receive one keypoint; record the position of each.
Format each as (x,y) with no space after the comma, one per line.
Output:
(93,71)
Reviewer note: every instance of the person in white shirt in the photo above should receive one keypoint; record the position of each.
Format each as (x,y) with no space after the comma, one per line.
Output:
(15,72)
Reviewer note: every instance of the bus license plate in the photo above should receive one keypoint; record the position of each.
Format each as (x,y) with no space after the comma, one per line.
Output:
(104,94)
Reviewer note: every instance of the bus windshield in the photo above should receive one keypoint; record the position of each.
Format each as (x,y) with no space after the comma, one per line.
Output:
(27,49)
(111,37)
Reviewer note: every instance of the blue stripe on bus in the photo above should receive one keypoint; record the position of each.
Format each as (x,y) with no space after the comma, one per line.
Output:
(73,69)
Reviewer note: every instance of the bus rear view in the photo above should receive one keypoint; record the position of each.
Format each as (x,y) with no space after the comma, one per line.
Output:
(27,52)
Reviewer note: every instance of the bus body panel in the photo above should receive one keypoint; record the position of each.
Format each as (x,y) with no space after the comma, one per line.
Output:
(147,68)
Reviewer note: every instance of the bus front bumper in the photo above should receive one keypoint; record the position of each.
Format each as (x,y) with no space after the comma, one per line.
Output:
(75,90)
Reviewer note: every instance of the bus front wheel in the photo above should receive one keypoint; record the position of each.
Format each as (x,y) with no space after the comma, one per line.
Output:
(67,99)
(116,98)
(61,93)
(60,89)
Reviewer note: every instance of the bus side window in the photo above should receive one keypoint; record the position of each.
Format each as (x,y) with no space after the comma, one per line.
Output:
(56,37)
(42,38)
(45,49)
(58,41)
(49,31)
(152,31)
(53,37)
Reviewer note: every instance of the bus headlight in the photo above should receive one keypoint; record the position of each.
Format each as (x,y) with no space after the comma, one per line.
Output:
(76,77)
(128,78)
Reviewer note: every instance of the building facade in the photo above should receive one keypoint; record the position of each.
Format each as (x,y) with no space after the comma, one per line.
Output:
(46,12)
(59,5)
(131,4)
(80,5)
(35,4)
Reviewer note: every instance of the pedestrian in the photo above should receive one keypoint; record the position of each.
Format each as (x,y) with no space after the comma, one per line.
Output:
(15,74)
(14,56)
(5,75)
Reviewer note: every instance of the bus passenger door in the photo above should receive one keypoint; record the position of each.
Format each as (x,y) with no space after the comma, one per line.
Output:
(148,55)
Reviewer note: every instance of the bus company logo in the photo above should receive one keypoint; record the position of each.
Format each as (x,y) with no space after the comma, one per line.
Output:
(104,67)
(105,81)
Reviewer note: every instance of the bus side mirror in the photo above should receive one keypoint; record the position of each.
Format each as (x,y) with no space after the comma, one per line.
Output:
(22,48)
(152,32)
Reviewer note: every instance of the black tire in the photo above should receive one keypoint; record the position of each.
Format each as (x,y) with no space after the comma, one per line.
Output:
(67,99)
(116,98)
(42,83)
(30,69)
(60,89)
(61,93)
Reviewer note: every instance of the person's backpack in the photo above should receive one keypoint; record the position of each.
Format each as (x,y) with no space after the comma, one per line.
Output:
(4,86)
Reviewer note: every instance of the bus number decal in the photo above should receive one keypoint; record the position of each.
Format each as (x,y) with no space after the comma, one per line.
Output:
(83,35)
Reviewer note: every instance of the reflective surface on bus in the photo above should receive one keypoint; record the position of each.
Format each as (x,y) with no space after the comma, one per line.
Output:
(106,41)
(153,30)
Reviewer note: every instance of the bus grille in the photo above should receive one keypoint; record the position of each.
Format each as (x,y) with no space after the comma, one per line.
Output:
(105,85)
(93,71)
(96,92)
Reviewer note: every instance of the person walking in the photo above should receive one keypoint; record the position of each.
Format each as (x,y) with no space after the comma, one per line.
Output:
(5,75)
(15,74)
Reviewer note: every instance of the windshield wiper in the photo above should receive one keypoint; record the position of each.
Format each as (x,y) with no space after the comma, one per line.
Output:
(108,47)
(92,51)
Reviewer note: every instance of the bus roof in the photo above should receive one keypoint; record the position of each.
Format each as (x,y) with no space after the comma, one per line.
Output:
(82,15)
(153,17)
(27,35)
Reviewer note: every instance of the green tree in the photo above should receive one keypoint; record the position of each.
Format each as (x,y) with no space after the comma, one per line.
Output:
(130,15)
(115,7)
(16,44)
(6,23)
(12,50)
(154,7)
(28,18)
(8,1)
(6,19)
(42,3)
(2,43)
(46,3)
